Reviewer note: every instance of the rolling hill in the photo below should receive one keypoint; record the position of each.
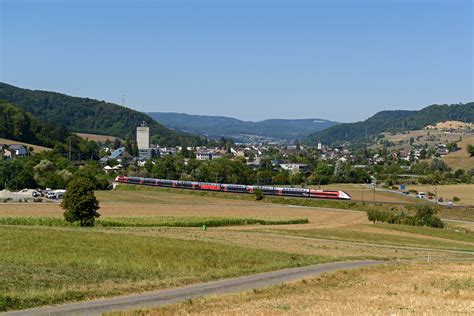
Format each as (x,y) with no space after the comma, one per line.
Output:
(393,121)
(88,115)
(281,130)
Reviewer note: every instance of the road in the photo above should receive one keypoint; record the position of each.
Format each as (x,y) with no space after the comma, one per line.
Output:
(163,297)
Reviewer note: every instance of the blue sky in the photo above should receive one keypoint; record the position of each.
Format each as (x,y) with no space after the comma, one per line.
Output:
(338,60)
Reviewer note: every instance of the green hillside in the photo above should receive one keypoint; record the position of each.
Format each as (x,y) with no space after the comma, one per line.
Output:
(16,124)
(393,121)
(89,115)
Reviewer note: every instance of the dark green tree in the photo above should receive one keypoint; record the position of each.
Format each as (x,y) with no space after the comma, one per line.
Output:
(470,150)
(80,203)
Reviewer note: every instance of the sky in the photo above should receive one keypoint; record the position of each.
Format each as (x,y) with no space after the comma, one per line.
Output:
(253,60)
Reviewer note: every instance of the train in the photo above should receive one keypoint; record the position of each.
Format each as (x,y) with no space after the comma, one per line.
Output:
(237,188)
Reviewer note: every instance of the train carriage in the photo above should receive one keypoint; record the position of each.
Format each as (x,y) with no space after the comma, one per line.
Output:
(237,188)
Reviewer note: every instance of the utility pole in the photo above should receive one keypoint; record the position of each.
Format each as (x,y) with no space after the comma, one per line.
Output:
(375,184)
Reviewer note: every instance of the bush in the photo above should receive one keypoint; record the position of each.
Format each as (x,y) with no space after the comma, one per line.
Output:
(258,195)
(425,216)
(456,199)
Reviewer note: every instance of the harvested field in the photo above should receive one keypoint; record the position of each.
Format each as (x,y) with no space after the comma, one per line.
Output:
(460,159)
(360,192)
(463,191)
(96,137)
(36,148)
(431,288)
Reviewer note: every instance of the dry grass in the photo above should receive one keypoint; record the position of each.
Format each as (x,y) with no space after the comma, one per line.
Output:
(453,124)
(420,288)
(363,193)
(96,137)
(460,159)
(36,148)
(464,191)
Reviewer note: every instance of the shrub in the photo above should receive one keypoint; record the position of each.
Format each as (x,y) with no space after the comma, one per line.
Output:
(425,216)
(456,199)
(258,195)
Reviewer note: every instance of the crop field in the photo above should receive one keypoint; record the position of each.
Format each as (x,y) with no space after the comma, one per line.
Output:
(151,238)
(431,289)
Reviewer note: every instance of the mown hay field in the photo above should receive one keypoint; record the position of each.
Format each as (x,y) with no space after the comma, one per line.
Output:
(427,288)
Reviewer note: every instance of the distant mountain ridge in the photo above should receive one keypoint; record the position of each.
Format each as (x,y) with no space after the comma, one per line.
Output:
(286,130)
(393,121)
(89,115)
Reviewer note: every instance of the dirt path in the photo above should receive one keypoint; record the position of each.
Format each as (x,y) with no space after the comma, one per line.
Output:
(164,297)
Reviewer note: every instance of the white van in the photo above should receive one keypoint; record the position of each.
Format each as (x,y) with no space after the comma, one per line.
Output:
(421,195)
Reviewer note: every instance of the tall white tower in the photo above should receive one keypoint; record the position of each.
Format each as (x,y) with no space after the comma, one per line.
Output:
(320,146)
(143,136)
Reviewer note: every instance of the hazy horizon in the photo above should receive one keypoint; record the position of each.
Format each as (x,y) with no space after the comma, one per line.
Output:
(340,61)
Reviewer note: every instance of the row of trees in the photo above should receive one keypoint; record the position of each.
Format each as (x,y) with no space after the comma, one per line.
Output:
(48,170)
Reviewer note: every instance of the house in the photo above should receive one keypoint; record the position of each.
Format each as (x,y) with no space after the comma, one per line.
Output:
(119,154)
(442,150)
(295,167)
(19,150)
(8,153)
(208,155)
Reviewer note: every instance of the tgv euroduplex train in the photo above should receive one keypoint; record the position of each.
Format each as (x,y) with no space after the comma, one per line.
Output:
(236,188)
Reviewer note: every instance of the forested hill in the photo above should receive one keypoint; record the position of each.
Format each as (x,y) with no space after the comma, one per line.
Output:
(89,115)
(394,121)
(244,131)
(17,124)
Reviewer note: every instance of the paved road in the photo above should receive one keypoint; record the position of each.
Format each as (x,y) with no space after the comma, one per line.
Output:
(163,297)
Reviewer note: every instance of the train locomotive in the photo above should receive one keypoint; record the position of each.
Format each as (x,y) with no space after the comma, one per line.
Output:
(236,188)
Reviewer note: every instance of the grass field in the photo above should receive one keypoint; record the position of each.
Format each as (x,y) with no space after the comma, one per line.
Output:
(431,289)
(44,266)
(36,148)
(48,265)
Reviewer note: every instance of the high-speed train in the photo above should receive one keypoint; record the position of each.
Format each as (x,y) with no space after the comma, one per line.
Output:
(236,188)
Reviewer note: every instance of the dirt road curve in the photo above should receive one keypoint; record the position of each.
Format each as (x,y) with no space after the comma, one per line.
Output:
(163,297)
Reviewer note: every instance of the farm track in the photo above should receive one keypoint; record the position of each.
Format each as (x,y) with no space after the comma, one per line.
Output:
(164,297)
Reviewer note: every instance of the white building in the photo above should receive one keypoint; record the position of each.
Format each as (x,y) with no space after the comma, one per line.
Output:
(143,136)
(143,141)
(208,155)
